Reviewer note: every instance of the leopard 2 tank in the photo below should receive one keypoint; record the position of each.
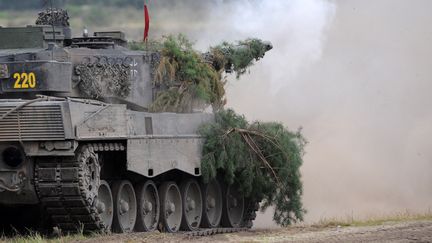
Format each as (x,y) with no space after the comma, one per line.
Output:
(78,142)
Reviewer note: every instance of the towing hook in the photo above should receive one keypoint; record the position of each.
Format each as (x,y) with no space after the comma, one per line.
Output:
(4,187)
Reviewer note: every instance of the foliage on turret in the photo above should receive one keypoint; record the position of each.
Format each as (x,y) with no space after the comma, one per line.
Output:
(188,80)
(239,57)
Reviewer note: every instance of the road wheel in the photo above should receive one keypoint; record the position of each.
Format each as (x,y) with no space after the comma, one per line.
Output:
(233,207)
(125,207)
(212,204)
(171,207)
(104,205)
(192,205)
(148,207)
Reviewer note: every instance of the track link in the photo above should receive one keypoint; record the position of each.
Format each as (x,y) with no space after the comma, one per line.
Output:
(213,231)
(61,187)
(58,184)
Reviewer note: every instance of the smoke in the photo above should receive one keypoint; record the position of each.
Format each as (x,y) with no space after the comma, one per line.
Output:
(295,27)
(354,75)
(367,114)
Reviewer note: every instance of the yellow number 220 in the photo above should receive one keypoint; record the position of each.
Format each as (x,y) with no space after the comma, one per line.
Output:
(24,80)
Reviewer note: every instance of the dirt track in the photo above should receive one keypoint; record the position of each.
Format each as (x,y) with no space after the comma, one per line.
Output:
(417,231)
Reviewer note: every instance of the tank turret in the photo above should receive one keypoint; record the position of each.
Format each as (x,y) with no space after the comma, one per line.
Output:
(44,59)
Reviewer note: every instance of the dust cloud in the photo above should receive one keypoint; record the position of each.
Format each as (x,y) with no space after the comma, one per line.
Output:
(356,75)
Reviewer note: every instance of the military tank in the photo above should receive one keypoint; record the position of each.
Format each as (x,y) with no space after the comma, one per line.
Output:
(78,143)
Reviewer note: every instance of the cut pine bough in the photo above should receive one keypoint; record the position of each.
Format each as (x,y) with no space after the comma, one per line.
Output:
(262,158)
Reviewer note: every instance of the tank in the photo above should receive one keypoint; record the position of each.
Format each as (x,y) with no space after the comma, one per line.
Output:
(79,149)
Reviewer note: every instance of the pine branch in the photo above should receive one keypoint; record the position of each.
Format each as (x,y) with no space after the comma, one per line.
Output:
(266,146)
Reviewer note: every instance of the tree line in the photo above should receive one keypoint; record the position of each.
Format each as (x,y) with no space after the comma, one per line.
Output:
(40,4)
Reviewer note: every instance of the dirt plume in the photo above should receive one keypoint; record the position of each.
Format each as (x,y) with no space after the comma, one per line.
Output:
(354,75)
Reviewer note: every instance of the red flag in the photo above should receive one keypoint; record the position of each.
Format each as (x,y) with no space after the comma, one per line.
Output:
(147,22)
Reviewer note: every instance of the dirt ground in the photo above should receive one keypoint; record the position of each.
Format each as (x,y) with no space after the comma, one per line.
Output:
(415,231)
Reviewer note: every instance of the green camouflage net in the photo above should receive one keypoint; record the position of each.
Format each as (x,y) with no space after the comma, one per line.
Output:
(99,80)
(263,158)
(56,17)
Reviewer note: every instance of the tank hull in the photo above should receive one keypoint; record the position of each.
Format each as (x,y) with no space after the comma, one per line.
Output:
(153,144)
(49,138)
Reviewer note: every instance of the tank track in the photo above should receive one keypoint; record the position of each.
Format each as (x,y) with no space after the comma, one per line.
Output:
(250,215)
(58,183)
(214,231)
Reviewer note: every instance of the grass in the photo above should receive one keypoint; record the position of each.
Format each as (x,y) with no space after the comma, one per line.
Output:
(405,216)
(38,238)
